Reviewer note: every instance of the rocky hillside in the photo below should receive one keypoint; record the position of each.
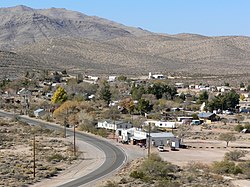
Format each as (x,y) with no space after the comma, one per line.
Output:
(13,64)
(23,25)
(59,38)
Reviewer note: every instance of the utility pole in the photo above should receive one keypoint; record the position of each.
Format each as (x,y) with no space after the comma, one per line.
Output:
(65,123)
(149,139)
(74,139)
(34,156)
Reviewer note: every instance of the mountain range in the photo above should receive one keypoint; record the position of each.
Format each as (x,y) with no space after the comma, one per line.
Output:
(57,39)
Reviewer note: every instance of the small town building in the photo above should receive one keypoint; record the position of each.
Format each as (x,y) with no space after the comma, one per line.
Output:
(113,125)
(162,124)
(184,119)
(126,134)
(139,137)
(223,88)
(161,138)
(179,85)
(208,117)
(155,76)
(156,138)
(117,126)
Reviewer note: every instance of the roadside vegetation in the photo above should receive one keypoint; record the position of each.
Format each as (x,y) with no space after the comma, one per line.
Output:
(53,154)
(153,171)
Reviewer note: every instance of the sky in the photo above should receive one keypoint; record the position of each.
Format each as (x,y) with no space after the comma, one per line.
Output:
(205,17)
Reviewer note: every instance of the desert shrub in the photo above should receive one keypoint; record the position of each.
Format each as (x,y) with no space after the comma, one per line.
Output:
(123,181)
(58,157)
(238,128)
(167,183)
(87,128)
(226,167)
(102,132)
(31,114)
(111,184)
(155,168)
(247,126)
(93,130)
(195,167)
(137,174)
(47,117)
(235,155)
(155,157)
(245,166)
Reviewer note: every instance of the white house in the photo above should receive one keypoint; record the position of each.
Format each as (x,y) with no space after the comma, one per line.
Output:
(114,125)
(126,134)
(164,124)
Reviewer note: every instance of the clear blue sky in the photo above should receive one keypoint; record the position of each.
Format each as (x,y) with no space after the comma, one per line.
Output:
(206,17)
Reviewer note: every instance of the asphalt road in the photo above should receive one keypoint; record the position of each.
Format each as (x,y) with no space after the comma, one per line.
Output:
(115,157)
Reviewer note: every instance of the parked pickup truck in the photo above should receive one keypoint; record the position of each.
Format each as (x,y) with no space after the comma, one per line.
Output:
(160,148)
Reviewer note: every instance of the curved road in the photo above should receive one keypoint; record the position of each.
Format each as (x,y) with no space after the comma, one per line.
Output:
(115,157)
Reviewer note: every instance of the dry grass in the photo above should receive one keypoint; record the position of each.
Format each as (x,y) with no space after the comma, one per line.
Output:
(16,154)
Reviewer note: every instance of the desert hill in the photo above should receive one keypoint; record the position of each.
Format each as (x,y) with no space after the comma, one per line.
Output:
(63,39)
(23,25)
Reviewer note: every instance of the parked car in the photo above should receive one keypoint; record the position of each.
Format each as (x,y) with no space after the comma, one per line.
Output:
(195,122)
(160,148)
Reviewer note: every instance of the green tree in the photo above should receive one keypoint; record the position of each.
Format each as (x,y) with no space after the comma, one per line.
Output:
(137,92)
(203,97)
(248,88)
(144,106)
(224,101)
(105,93)
(160,90)
(227,137)
(59,96)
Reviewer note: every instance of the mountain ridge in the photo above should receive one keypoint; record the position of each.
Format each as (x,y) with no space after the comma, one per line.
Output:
(60,38)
